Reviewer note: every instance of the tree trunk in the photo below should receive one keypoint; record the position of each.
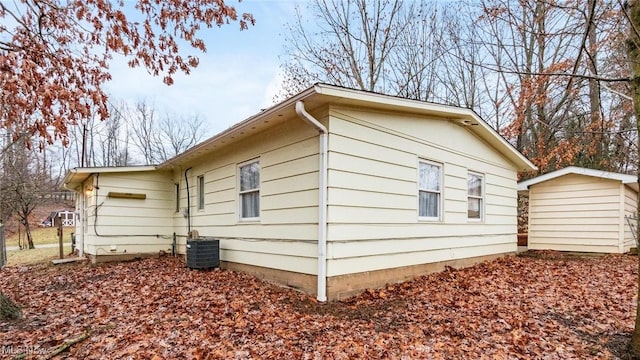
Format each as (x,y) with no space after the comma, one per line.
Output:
(633,52)
(598,159)
(8,309)
(27,230)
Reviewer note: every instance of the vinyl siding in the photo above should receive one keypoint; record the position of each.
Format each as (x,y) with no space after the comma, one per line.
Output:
(285,236)
(575,213)
(373,193)
(373,196)
(128,226)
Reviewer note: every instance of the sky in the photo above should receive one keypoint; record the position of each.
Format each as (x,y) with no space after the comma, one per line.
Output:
(236,77)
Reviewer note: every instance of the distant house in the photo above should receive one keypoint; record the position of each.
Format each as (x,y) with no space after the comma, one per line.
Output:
(331,191)
(67,218)
(582,210)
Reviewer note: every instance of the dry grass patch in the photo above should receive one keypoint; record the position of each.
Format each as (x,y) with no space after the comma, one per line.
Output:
(34,256)
(42,236)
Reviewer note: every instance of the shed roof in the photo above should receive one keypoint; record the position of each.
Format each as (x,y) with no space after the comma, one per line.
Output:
(321,94)
(631,180)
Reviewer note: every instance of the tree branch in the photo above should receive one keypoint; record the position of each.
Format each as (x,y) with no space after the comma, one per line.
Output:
(64,347)
(533,73)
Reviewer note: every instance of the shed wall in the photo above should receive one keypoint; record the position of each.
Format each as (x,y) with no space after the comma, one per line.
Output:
(630,210)
(575,213)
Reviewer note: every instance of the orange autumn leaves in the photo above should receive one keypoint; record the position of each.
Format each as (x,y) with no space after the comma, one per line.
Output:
(552,306)
(54,55)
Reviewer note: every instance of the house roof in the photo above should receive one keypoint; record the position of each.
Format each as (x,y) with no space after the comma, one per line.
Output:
(631,180)
(321,94)
(76,176)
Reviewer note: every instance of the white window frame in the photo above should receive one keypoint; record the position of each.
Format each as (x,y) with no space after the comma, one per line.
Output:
(242,192)
(201,192)
(439,192)
(481,197)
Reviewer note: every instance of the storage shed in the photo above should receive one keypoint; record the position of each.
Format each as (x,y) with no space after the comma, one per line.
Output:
(582,210)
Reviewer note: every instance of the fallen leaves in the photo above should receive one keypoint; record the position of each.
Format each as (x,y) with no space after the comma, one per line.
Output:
(516,308)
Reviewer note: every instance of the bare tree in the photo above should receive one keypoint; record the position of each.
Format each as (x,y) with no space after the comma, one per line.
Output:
(350,46)
(158,138)
(100,143)
(178,133)
(461,80)
(532,69)
(131,135)
(114,138)
(144,126)
(413,63)
(522,45)
(26,184)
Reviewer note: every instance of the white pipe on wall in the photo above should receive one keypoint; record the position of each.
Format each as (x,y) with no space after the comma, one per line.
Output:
(80,219)
(322,200)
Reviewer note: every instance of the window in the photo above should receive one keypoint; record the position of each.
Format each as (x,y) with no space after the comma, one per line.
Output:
(201,192)
(177,190)
(249,175)
(430,190)
(474,200)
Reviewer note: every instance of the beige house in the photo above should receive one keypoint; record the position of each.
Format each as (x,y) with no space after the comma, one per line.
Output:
(331,191)
(583,210)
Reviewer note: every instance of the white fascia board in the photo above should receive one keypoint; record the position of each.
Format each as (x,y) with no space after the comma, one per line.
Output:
(78,175)
(624,178)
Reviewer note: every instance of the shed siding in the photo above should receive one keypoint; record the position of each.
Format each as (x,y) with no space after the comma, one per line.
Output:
(129,226)
(575,213)
(630,209)
(285,237)
(373,193)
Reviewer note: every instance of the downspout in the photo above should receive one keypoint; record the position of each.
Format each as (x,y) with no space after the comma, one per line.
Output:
(82,201)
(186,180)
(79,216)
(94,192)
(322,199)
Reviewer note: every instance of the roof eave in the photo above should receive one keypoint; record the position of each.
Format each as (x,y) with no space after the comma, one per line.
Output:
(76,176)
(476,123)
(508,150)
(237,128)
(483,130)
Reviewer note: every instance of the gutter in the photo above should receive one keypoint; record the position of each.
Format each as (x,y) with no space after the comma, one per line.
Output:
(322,199)
(80,207)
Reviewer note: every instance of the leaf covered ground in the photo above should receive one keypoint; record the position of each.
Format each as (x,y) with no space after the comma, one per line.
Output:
(545,307)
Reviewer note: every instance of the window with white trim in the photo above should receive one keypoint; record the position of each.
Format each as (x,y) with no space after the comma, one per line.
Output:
(475,201)
(429,190)
(249,194)
(201,192)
